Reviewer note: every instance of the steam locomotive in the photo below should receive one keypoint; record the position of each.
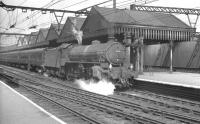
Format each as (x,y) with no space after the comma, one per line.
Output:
(73,61)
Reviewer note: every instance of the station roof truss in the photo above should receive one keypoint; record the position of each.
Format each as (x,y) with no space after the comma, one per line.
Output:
(175,10)
(33,37)
(165,9)
(151,26)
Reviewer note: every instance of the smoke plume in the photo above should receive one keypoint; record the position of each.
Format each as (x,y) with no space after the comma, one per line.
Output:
(77,33)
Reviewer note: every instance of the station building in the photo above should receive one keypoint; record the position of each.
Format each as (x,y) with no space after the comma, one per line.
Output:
(102,23)
(164,30)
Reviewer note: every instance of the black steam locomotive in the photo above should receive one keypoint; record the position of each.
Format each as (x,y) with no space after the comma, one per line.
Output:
(73,61)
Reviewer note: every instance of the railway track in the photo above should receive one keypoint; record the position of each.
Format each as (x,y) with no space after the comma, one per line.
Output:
(108,110)
(52,104)
(144,107)
(183,105)
(162,102)
(125,105)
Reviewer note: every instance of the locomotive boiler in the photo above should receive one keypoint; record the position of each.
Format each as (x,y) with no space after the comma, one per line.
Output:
(111,52)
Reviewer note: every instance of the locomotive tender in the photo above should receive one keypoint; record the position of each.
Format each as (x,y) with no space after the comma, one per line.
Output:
(73,61)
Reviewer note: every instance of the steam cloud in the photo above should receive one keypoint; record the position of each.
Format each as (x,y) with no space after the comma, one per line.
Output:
(102,87)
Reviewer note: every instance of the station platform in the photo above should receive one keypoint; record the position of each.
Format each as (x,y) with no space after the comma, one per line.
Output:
(190,80)
(17,109)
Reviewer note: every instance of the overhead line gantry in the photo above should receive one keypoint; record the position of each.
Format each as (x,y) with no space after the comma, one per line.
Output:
(24,9)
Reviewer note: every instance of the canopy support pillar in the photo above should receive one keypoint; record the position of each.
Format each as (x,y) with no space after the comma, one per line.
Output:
(171,56)
(138,44)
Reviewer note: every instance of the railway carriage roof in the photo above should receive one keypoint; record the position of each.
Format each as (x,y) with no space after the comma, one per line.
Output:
(25,51)
(32,50)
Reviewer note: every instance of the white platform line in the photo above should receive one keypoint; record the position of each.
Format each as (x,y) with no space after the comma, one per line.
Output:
(34,104)
(168,83)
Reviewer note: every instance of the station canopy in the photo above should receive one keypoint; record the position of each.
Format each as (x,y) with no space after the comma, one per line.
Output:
(26,39)
(54,32)
(150,26)
(20,41)
(48,36)
(33,37)
(42,34)
(66,33)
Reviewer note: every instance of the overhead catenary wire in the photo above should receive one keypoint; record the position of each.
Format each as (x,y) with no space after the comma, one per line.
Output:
(143,2)
(78,3)
(122,2)
(37,12)
(110,11)
(119,3)
(75,4)
(129,2)
(23,2)
(51,3)
(20,5)
(32,15)
(13,10)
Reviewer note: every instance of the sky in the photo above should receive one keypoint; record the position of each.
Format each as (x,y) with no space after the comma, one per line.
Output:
(24,21)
